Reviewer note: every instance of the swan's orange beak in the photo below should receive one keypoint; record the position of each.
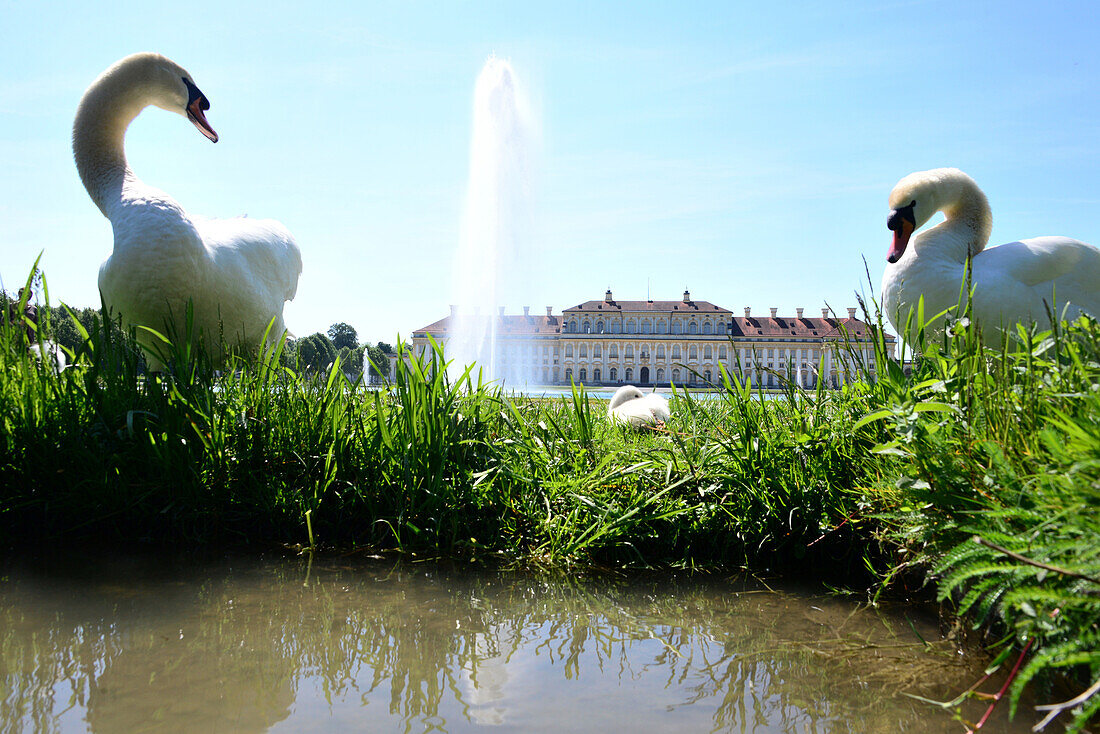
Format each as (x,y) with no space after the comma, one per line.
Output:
(901,239)
(197,104)
(902,221)
(195,114)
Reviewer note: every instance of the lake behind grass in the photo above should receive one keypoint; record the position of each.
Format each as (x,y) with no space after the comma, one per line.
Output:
(127,644)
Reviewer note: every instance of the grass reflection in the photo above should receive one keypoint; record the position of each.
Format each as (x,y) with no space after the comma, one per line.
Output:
(246,647)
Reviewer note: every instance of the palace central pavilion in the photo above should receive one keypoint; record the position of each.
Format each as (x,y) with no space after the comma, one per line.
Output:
(682,342)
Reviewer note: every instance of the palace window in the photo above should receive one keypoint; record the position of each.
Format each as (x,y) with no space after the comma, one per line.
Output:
(722,328)
(629,374)
(587,327)
(568,350)
(582,351)
(660,375)
(676,376)
(662,327)
(677,327)
(693,328)
(676,351)
(597,350)
(708,353)
(631,327)
(647,327)
(596,375)
(613,351)
(707,328)
(706,375)
(722,351)
(573,326)
(599,327)
(584,374)
(628,351)
(568,374)
(660,351)
(612,373)
(693,352)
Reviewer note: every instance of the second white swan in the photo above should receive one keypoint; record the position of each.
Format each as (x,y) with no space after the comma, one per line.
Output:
(1012,283)
(630,407)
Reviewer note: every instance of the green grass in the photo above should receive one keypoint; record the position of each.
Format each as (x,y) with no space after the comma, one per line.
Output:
(891,479)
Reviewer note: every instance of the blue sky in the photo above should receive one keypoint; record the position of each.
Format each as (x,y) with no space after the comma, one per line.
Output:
(744,150)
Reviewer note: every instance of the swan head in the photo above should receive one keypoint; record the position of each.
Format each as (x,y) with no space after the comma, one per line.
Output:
(179,94)
(916,198)
(164,83)
(624,394)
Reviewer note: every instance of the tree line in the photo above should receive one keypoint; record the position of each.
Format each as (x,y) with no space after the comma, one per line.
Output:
(317,352)
(314,353)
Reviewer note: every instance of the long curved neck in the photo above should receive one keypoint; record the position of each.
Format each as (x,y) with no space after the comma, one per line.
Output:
(105,111)
(969,220)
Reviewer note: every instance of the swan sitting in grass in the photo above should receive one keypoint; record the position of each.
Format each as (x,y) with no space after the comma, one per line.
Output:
(630,407)
(237,273)
(52,351)
(1013,283)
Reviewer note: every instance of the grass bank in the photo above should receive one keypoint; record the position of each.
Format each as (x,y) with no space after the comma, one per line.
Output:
(976,472)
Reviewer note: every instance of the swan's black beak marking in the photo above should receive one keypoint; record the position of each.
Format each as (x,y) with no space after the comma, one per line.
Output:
(902,221)
(197,104)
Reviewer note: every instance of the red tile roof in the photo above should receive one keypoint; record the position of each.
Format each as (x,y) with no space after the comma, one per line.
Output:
(783,326)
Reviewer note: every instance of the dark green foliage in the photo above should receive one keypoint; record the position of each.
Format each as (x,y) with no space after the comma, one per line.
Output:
(992,479)
(343,336)
(316,353)
(379,364)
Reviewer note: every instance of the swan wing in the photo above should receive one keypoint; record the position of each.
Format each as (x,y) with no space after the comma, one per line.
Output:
(1038,260)
(259,255)
(658,406)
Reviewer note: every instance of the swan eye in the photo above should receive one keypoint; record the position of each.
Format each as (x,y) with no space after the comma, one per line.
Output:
(193,94)
(902,213)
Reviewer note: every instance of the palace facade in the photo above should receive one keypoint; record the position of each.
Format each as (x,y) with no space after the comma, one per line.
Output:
(681,342)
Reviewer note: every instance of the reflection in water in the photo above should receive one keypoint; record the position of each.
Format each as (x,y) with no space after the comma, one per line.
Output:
(248,646)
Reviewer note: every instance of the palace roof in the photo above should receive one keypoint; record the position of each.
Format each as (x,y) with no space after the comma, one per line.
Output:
(786,327)
(651,306)
(511,325)
(759,327)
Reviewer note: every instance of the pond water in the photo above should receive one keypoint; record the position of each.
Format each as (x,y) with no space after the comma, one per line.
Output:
(333,645)
(606,393)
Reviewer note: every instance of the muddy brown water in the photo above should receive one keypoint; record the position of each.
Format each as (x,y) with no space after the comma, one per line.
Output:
(333,645)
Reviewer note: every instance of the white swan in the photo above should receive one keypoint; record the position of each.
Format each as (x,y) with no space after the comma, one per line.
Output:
(49,350)
(630,407)
(1012,283)
(237,272)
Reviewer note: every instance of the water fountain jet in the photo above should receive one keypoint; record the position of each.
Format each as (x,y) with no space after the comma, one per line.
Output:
(496,219)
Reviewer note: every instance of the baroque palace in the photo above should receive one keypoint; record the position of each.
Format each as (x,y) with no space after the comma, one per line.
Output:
(682,342)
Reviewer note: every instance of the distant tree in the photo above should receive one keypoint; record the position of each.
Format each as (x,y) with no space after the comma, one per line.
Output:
(315,352)
(351,361)
(380,362)
(289,356)
(343,336)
